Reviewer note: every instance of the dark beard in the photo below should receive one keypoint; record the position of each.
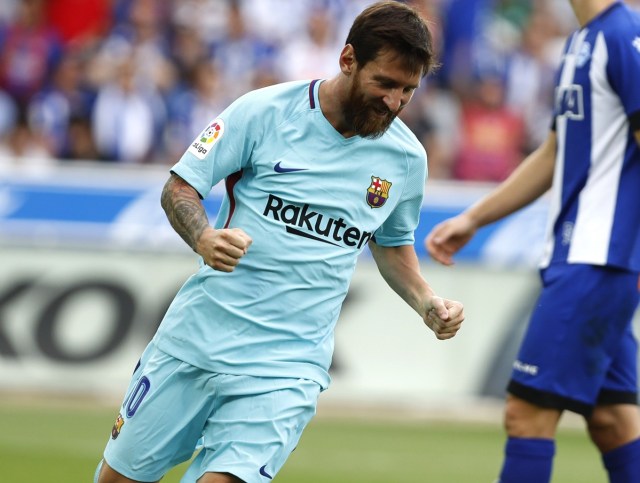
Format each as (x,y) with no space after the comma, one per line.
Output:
(362,117)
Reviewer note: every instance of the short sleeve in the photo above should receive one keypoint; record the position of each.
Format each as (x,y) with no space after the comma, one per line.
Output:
(223,147)
(399,228)
(623,67)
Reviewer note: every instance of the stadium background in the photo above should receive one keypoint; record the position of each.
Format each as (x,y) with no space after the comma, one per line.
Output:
(99,97)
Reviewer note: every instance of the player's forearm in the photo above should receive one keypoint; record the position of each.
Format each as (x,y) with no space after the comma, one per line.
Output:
(184,210)
(530,180)
(400,268)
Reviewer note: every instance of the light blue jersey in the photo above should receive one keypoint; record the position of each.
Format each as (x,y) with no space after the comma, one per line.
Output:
(595,207)
(310,200)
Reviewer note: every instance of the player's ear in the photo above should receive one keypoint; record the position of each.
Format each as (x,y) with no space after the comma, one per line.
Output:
(348,60)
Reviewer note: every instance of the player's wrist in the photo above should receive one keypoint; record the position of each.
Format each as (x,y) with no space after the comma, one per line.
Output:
(473,219)
(203,240)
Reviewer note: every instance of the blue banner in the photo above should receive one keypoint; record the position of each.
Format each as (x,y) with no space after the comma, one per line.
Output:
(120,208)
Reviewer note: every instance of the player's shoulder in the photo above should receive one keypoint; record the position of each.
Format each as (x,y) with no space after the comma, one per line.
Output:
(619,22)
(619,28)
(282,98)
(402,137)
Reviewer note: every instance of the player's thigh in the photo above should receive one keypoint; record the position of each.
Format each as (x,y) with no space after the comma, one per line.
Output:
(161,418)
(574,336)
(523,419)
(614,425)
(620,417)
(257,424)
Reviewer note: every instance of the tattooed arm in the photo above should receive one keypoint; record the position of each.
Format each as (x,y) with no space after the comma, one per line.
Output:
(220,249)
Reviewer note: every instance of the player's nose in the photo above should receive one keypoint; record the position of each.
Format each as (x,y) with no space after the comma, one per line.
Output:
(393,99)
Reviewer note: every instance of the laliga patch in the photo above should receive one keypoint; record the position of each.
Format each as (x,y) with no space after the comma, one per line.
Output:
(117,426)
(209,137)
(378,192)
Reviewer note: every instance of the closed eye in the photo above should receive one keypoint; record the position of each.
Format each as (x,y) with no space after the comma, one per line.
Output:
(395,85)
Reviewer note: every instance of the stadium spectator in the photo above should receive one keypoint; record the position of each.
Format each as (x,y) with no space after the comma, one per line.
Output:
(207,19)
(29,50)
(187,51)
(128,118)
(191,105)
(252,47)
(434,115)
(464,42)
(529,76)
(8,113)
(579,352)
(23,147)
(8,11)
(241,54)
(80,23)
(80,143)
(313,54)
(491,134)
(265,18)
(67,97)
(143,37)
(244,350)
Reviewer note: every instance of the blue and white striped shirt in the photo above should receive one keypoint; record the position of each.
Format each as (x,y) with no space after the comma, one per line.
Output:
(595,205)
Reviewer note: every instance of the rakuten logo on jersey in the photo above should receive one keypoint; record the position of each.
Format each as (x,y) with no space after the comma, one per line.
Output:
(302,221)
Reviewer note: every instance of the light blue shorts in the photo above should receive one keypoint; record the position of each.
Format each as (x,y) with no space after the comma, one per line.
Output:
(247,426)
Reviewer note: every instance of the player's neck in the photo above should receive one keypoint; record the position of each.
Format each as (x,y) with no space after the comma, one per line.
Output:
(587,10)
(331,95)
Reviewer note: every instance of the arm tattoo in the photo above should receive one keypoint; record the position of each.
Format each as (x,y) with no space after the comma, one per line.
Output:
(184,210)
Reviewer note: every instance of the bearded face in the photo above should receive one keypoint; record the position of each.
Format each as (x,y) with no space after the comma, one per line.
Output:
(369,117)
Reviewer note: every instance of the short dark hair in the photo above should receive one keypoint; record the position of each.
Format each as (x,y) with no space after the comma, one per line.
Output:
(395,26)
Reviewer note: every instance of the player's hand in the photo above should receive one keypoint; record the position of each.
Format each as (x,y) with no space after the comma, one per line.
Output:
(446,238)
(444,317)
(222,249)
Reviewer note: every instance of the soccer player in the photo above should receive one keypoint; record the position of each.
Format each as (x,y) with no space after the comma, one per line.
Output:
(315,171)
(579,353)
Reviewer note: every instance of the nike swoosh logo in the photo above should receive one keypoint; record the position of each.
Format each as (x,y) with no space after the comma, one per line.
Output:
(264,473)
(279,169)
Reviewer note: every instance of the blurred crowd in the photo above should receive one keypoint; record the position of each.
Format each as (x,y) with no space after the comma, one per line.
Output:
(134,81)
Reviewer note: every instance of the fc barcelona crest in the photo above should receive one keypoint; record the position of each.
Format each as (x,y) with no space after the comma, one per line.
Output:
(378,192)
(115,431)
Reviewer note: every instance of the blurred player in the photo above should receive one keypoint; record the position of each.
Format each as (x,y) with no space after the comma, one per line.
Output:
(315,172)
(579,353)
